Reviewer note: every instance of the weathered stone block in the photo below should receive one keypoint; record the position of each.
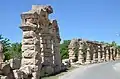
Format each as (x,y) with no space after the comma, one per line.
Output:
(5,68)
(3,77)
(63,67)
(66,62)
(28,47)
(28,34)
(30,70)
(28,41)
(15,63)
(48,61)
(48,46)
(31,54)
(46,71)
(30,61)
(17,74)
(57,69)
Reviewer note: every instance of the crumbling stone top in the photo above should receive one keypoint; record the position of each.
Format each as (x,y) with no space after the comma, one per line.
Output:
(39,8)
(73,43)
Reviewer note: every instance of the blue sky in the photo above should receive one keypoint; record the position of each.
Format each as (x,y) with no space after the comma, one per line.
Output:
(89,19)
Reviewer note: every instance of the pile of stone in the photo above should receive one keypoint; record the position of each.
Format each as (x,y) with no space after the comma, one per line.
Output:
(91,52)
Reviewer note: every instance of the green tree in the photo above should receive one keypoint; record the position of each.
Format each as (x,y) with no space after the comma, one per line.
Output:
(113,43)
(6,44)
(15,50)
(10,50)
(64,49)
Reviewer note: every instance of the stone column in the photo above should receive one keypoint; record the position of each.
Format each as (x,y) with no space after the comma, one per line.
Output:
(80,53)
(1,53)
(31,56)
(117,54)
(114,53)
(95,54)
(57,56)
(36,39)
(99,53)
(107,54)
(46,49)
(92,52)
(88,56)
(71,55)
(103,53)
(111,53)
(72,46)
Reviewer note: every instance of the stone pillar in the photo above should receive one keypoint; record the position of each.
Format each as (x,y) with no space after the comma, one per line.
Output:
(111,53)
(1,53)
(81,53)
(88,56)
(56,47)
(72,46)
(107,54)
(103,53)
(57,57)
(95,54)
(117,54)
(71,55)
(47,57)
(46,52)
(92,52)
(36,39)
(114,54)
(99,53)
(30,47)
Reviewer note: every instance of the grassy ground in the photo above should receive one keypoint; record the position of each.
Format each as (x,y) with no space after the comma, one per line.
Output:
(62,73)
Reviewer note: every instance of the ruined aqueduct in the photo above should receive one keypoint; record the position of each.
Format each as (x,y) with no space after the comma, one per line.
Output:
(91,52)
(41,48)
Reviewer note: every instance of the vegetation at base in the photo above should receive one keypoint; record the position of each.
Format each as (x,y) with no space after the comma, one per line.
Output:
(13,50)
(64,49)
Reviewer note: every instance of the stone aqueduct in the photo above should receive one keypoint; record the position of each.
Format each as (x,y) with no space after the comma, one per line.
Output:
(41,40)
(41,48)
(91,52)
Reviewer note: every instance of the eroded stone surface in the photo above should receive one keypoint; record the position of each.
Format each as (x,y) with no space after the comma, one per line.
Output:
(41,42)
